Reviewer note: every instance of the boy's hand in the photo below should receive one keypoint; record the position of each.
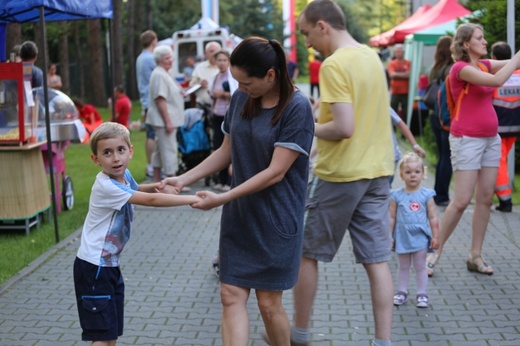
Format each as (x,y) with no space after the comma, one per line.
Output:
(171,181)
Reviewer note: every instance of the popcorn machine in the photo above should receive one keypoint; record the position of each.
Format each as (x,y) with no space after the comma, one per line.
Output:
(17,123)
(24,191)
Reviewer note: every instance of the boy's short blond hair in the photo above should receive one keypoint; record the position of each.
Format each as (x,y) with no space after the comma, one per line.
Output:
(108,130)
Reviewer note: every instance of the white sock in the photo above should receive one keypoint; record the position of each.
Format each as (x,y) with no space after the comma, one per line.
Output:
(300,335)
(379,342)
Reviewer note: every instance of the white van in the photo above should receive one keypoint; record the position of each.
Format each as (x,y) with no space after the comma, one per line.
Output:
(191,42)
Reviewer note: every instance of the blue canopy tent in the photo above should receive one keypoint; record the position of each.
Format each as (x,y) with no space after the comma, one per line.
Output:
(17,11)
(2,39)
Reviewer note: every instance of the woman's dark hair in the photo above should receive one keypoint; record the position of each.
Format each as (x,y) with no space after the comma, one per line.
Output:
(501,50)
(78,103)
(443,53)
(256,56)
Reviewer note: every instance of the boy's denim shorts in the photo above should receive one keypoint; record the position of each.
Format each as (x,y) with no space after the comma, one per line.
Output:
(100,300)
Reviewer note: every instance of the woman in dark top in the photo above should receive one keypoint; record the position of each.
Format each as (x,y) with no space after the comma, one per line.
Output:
(443,170)
(268,135)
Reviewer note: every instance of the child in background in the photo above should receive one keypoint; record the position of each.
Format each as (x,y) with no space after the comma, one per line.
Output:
(411,209)
(98,281)
(89,116)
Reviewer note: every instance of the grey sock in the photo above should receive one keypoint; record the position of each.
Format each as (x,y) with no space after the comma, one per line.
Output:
(300,335)
(379,342)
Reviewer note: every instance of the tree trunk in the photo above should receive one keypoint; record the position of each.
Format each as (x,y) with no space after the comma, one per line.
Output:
(80,80)
(63,53)
(138,24)
(117,41)
(149,18)
(96,86)
(131,82)
(14,37)
(38,40)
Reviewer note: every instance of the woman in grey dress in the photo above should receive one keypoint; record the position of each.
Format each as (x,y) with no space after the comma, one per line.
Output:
(268,135)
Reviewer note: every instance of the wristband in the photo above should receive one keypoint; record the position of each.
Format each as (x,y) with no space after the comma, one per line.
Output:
(415,146)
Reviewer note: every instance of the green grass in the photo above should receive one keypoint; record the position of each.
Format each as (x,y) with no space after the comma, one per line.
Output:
(19,250)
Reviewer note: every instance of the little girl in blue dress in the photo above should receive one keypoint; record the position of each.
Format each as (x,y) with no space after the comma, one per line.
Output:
(414,226)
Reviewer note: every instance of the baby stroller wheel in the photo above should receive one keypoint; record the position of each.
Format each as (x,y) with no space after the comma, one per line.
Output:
(68,193)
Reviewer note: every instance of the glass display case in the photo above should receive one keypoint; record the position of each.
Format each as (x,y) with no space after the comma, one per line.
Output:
(16,120)
(63,117)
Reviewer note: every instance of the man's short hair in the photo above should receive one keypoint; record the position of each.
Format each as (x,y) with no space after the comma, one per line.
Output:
(501,50)
(119,88)
(28,51)
(147,38)
(326,10)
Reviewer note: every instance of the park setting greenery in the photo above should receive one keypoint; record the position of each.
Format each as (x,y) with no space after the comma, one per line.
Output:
(81,46)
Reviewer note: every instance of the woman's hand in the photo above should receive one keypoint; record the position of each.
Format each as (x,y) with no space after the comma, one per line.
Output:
(209,200)
(169,182)
(168,189)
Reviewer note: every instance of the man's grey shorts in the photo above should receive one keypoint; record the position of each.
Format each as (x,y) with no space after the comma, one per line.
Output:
(360,206)
(473,153)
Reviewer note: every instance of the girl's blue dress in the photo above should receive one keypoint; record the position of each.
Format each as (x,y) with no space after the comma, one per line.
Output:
(412,231)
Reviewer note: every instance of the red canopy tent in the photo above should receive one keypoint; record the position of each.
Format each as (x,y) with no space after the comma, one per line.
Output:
(384,38)
(442,12)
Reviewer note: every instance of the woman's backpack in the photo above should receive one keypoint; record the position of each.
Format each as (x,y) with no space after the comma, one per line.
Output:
(446,108)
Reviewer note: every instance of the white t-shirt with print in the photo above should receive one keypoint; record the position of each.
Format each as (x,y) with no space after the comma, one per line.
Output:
(108,222)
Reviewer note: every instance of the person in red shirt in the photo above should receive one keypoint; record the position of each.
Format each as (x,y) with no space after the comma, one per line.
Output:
(314,75)
(90,117)
(399,73)
(123,106)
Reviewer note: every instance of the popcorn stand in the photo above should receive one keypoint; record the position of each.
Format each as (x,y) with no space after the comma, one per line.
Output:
(33,11)
(24,188)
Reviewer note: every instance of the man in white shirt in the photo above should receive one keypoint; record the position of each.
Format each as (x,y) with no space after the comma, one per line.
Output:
(205,73)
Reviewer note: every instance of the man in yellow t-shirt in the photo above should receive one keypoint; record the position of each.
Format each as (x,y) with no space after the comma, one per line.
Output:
(355,158)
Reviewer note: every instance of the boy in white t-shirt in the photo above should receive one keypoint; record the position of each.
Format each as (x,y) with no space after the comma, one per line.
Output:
(98,280)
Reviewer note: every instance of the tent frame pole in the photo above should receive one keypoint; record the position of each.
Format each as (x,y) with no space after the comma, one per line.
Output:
(48,123)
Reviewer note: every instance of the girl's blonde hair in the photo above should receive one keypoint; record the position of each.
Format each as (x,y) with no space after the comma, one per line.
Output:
(463,35)
(411,157)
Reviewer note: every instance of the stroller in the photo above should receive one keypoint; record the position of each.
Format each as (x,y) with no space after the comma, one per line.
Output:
(193,140)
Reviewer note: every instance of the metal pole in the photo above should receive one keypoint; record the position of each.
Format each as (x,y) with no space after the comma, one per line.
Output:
(48,124)
(511,42)
(112,68)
